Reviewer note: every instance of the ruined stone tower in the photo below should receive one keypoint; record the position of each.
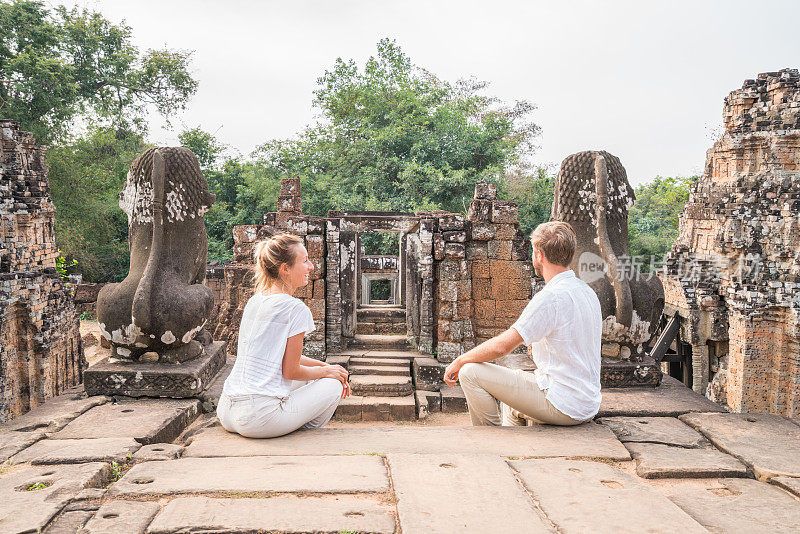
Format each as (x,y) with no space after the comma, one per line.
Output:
(40,348)
(734,272)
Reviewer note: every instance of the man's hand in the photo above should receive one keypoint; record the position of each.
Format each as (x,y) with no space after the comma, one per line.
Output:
(451,373)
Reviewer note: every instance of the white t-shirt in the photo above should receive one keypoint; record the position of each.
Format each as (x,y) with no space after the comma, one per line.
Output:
(563,325)
(268,321)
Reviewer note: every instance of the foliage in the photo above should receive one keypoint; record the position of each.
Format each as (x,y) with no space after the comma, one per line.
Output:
(85,178)
(63,265)
(653,218)
(39,485)
(392,136)
(534,194)
(62,65)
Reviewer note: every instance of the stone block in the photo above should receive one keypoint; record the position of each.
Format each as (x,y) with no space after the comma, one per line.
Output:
(499,249)
(504,211)
(484,309)
(664,430)
(320,474)
(737,505)
(469,507)
(477,251)
(520,250)
(245,234)
(122,517)
(512,289)
(454,251)
(75,451)
(427,373)
(459,236)
(286,513)
(587,440)
(432,399)
(153,379)
(509,309)
(453,400)
(451,269)
(485,191)
(480,210)
(502,269)
(389,408)
(446,352)
(767,443)
(506,232)
(452,291)
(290,203)
(317,307)
(480,269)
(145,420)
(158,452)
(462,310)
(315,245)
(654,460)
(316,225)
(482,231)
(438,247)
(30,511)
(349,409)
(451,222)
(585,496)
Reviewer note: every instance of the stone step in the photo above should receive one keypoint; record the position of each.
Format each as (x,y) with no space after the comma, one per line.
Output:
(380,370)
(381,386)
(405,362)
(381,342)
(381,314)
(365,328)
(359,408)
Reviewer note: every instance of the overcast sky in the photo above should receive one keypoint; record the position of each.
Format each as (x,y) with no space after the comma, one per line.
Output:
(644,80)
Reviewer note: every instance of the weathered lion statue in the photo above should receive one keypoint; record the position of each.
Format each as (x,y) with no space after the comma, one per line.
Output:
(162,305)
(592,193)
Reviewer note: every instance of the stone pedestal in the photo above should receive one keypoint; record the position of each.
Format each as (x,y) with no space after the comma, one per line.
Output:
(627,373)
(150,379)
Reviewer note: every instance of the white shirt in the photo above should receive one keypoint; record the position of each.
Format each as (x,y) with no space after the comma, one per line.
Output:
(268,321)
(563,325)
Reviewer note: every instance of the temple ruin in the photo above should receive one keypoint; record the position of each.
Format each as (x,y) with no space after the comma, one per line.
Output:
(733,275)
(40,346)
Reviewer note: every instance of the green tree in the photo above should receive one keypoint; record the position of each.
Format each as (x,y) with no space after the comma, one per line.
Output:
(653,218)
(533,191)
(61,65)
(85,178)
(392,136)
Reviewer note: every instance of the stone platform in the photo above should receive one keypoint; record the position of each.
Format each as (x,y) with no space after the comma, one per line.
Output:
(659,460)
(144,379)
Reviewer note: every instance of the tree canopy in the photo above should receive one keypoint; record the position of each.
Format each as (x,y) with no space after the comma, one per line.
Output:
(60,65)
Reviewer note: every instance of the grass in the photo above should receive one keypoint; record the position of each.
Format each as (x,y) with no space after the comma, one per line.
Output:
(38,486)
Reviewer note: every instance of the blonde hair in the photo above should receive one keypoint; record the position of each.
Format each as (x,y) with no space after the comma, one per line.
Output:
(557,241)
(270,254)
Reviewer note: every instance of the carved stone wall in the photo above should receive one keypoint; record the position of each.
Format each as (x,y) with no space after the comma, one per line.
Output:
(734,271)
(40,349)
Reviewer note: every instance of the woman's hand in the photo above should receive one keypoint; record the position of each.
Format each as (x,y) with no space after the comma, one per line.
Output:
(339,373)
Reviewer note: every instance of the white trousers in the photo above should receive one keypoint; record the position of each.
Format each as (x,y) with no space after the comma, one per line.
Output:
(486,383)
(308,405)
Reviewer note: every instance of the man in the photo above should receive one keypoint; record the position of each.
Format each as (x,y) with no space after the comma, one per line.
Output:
(563,326)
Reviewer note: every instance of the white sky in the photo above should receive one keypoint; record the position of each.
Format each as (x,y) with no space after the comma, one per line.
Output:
(644,80)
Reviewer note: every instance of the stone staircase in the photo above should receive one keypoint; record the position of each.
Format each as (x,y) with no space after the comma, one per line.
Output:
(389,320)
(391,382)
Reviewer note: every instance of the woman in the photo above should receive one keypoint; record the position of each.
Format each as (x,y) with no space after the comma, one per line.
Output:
(272,389)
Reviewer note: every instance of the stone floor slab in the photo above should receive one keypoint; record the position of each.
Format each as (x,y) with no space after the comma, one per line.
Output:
(158,451)
(323,474)
(31,496)
(654,460)
(582,496)
(738,505)
(75,451)
(288,514)
(790,484)
(12,442)
(146,421)
(122,517)
(54,414)
(460,493)
(666,430)
(769,444)
(588,440)
(670,399)
(69,522)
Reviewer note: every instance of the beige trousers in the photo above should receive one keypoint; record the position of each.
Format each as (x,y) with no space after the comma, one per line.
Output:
(486,383)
